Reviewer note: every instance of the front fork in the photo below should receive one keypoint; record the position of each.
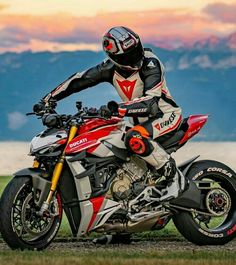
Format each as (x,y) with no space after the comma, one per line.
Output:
(57,172)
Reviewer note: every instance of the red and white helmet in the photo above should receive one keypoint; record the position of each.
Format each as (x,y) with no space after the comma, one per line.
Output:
(124,48)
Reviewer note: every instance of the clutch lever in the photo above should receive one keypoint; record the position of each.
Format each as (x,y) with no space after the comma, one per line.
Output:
(30,113)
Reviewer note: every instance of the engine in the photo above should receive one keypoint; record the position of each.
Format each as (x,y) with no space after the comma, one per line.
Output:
(130,179)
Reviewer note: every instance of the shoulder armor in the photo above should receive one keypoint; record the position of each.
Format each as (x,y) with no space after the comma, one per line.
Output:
(151,61)
(151,65)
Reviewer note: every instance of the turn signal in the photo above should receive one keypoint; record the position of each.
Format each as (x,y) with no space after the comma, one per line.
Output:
(36,164)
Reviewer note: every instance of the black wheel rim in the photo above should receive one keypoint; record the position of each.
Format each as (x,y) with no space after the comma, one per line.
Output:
(28,226)
(224,222)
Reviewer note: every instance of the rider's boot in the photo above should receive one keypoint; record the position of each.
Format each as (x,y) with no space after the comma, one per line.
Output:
(165,166)
(175,179)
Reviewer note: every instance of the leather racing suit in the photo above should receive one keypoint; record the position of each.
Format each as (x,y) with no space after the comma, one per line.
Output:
(146,100)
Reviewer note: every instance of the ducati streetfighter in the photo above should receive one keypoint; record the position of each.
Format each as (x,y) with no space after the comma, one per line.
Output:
(81,166)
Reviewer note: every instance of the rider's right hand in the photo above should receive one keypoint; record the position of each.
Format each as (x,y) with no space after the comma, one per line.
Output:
(38,107)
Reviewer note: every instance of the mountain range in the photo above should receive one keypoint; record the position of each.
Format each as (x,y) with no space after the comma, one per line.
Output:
(200,78)
(216,43)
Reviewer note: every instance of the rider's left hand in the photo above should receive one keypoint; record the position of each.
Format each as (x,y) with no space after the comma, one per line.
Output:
(105,112)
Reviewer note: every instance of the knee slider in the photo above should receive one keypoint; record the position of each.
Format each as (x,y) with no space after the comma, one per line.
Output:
(138,144)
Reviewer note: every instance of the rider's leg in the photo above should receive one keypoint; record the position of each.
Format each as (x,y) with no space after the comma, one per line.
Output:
(139,140)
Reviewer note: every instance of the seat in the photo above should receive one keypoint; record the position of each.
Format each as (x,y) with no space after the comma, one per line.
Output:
(173,138)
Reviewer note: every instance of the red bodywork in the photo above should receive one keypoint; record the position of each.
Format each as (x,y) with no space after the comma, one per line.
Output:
(195,123)
(90,133)
(93,130)
(97,203)
(96,123)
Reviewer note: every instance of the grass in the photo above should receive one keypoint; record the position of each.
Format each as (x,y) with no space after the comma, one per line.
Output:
(3,182)
(108,256)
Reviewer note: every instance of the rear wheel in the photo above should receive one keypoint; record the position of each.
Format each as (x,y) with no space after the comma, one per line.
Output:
(218,226)
(21,226)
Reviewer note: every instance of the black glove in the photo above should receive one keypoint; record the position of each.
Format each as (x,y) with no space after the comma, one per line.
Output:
(105,112)
(39,107)
(92,112)
(113,106)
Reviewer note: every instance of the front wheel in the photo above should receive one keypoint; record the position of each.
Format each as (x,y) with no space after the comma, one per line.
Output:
(218,226)
(21,226)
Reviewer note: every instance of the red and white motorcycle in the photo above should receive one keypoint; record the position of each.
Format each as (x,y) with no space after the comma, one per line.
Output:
(81,166)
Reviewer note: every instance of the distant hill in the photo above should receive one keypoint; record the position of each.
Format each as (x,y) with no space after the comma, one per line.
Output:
(201,79)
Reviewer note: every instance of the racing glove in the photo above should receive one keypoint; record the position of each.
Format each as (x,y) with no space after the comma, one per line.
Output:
(105,112)
(38,107)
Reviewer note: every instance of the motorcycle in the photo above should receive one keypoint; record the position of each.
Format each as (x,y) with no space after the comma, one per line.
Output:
(82,167)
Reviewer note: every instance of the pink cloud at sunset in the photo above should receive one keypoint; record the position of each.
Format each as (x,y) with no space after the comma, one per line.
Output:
(167,28)
(222,12)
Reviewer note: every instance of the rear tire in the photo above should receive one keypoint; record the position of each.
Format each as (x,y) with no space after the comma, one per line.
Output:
(20,227)
(195,227)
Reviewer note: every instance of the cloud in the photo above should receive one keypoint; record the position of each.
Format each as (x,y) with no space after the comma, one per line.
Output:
(12,36)
(16,120)
(222,12)
(167,28)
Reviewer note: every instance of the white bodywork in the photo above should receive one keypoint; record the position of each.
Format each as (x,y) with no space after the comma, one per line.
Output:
(40,142)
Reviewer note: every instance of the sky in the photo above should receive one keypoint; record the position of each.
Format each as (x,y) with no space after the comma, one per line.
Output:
(58,25)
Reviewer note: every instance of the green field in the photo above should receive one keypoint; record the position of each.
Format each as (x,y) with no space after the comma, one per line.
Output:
(107,257)
(135,254)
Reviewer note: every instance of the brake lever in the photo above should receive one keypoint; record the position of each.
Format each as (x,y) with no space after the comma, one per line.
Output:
(30,113)
(40,114)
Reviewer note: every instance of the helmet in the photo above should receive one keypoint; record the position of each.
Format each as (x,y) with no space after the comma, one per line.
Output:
(124,48)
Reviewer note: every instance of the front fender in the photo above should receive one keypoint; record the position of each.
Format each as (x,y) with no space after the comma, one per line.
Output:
(41,186)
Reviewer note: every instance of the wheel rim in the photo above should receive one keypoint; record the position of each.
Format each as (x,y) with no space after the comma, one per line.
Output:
(219,201)
(24,219)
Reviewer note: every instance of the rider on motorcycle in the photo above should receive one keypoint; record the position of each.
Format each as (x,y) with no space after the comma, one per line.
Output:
(138,76)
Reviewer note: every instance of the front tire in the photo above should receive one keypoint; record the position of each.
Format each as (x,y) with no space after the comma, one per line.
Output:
(202,229)
(20,225)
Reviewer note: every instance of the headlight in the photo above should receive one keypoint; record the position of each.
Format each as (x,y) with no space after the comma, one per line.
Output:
(50,120)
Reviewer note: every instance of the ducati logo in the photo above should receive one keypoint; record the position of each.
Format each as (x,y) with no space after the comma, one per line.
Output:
(81,141)
(127,87)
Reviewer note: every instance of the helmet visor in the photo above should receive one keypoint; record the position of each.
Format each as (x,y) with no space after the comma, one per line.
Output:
(132,58)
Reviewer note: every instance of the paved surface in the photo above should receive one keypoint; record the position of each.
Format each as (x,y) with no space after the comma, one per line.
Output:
(15,154)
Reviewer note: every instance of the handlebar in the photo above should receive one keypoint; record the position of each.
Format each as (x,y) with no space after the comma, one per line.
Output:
(51,119)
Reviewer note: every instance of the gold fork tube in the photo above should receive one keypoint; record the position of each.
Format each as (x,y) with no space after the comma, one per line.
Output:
(59,166)
(57,173)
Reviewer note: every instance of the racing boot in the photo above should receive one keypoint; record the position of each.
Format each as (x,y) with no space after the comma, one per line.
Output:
(175,178)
